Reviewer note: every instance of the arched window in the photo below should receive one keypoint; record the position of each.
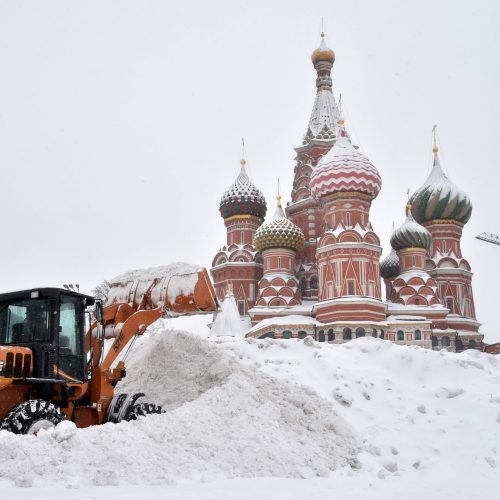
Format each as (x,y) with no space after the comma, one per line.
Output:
(313,284)
(472,344)
(434,341)
(459,345)
(401,335)
(347,334)
(269,335)
(374,332)
(302,334)
(382,334)
(321,336)
(418,335)
(446,341)
(360,332)
(331,335)
(417,302)
(287,334)
(303,285)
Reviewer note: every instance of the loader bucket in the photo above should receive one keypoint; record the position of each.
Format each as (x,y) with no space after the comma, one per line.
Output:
(177,288)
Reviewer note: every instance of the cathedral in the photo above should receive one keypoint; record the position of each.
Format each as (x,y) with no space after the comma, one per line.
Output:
(314,269)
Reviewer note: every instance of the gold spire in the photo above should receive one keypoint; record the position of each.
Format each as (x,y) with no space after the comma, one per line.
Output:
(435,149)
(242,161)
(278,196)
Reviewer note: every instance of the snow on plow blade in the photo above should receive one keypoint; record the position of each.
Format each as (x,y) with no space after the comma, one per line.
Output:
(179,288)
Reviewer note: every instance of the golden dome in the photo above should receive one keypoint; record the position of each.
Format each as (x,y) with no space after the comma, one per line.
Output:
(323,53)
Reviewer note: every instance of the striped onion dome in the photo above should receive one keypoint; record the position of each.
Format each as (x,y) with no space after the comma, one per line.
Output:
(323,52)
(279,232)
(439,198)
(389,267)
(344,169)
(410,234)
(243,198)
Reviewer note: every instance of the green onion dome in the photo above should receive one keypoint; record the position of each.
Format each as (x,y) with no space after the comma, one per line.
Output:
(389,267)
(279,232)
(411,234)
(243,198)
(440,199)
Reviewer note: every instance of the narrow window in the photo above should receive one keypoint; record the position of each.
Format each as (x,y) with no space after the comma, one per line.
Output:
(449,303)
(413,261)
(418,335)
(348,219)
(242,236)
(401,335)
(279,262)
(444,246)
(241,307)
(350,287)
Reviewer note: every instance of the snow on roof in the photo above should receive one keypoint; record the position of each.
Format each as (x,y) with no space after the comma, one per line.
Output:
(292,319)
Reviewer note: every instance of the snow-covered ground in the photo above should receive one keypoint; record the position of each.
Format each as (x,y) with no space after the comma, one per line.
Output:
(280,419)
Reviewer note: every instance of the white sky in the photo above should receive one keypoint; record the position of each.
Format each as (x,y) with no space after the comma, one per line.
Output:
(121,122)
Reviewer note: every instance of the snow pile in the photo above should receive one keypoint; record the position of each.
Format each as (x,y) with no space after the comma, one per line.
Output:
(150,273)
(368,419)
(228,321)
(225,419)
(178,278)
(417,410)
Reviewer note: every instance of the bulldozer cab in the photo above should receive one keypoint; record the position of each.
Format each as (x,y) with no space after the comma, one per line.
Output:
(51,323)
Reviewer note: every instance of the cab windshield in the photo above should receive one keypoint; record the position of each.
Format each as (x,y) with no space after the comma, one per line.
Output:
(24,321)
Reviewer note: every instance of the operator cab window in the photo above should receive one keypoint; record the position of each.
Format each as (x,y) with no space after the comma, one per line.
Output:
(71,336)
(24,321)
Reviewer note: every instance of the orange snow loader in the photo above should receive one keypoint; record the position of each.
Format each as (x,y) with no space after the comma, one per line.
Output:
(52,369)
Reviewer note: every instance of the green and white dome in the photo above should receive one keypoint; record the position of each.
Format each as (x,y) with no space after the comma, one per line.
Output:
(439,198)
(410,234)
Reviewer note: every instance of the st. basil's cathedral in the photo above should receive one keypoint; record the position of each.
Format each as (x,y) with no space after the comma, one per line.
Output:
(314,268)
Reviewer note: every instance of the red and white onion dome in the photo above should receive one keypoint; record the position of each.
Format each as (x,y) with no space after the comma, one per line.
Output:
(344,169)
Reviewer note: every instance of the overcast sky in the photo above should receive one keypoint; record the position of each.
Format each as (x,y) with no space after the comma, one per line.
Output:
(121,122)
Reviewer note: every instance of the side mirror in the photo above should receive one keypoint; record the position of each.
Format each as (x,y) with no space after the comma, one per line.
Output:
(98,312)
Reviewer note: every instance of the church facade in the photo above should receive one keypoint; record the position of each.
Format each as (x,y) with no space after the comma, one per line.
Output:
(314,269)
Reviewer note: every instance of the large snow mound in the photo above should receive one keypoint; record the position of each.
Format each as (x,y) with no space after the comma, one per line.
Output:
(224,419)
(380,420)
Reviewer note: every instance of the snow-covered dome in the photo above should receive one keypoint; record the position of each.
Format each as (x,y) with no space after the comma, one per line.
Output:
(344,169)
(243,198)
(439,198)
(279,232)
(410,234)
(389,267)
(323,52)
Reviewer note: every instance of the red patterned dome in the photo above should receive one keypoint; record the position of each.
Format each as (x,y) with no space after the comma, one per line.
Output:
(344,169)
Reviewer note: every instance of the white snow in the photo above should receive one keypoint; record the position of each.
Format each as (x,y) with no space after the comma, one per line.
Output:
(252,418)
(150,273)
(178,278)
